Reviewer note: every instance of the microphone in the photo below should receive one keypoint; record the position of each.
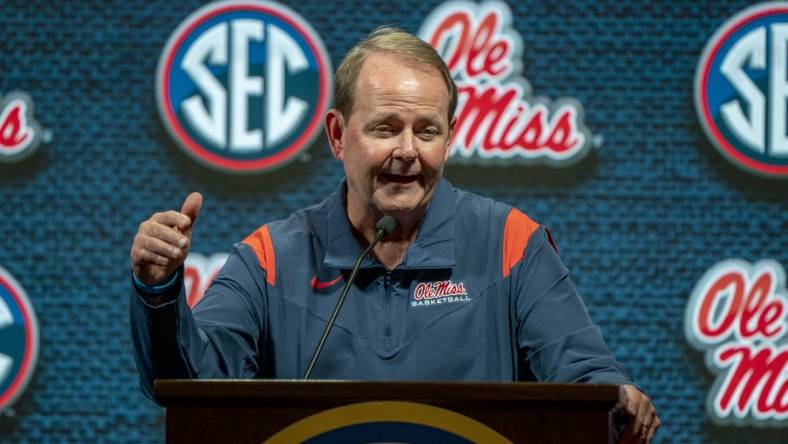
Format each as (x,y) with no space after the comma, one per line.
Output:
(383,228)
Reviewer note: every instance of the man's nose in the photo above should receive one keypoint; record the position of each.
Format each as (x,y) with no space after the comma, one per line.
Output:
(406,149)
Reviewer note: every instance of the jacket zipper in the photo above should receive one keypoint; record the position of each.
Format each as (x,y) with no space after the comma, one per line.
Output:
(387,303)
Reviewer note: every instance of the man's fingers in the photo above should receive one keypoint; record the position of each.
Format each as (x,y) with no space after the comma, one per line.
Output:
(640,411)
(632,406)
(654,426)
(162,242)
(644,410)
(158,246)
(167,234)
(172,219)
(191,206)
(642,420)
(626,398)
(630,432)
(650,424)
(142,256)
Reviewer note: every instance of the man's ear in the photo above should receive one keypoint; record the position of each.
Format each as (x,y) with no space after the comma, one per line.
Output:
(335,127)
(450,139)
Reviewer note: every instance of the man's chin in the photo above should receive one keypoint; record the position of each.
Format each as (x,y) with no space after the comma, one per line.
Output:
(401,207)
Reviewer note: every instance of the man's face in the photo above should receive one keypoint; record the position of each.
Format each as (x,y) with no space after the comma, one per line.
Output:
(396,141)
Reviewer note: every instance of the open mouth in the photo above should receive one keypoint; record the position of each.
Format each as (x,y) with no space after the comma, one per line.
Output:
(399,178)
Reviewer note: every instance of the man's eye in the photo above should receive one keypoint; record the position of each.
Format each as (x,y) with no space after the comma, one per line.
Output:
(383,129)
(429,133)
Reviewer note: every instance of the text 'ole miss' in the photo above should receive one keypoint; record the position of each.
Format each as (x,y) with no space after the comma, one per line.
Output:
(434,290)
(498,119)
(737,315)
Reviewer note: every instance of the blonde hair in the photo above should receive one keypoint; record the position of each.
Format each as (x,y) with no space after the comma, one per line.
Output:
(390,40)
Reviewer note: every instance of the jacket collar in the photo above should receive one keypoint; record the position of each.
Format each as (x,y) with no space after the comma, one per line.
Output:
(432,248)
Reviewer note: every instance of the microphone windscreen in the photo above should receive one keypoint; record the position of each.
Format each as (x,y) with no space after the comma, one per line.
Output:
(386,224)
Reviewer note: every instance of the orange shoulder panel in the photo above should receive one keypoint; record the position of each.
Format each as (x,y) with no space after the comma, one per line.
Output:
(516,232)
(260,242)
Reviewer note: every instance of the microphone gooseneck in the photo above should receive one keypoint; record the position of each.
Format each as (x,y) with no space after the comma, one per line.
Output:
(383,228)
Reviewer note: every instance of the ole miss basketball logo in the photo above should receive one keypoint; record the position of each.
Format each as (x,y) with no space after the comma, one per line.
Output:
(741,89)
(242,86)
(18,340)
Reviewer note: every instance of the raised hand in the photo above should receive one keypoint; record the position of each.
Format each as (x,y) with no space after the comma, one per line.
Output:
(162,242)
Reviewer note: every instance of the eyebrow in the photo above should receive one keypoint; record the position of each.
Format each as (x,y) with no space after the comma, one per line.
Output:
(382,116)
(432,118)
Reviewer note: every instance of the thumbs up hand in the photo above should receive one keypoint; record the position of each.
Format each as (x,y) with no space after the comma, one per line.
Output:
(163,241)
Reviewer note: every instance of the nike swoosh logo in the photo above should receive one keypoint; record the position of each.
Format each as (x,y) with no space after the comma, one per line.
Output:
(320,285)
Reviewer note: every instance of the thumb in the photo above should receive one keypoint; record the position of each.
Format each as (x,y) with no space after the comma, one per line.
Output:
(191,206)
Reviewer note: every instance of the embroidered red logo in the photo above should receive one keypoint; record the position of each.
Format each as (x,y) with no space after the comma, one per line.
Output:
(737,316)
(498,118)
(439,292)
(319,285)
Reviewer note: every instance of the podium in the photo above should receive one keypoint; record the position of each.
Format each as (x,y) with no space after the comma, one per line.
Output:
(256,411)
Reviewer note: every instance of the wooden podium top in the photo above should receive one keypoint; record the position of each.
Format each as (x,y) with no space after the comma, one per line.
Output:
(167,390)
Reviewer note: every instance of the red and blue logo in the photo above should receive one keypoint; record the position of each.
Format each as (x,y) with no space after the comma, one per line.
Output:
(20,133)
(242,86)
(18,340)
(741,89)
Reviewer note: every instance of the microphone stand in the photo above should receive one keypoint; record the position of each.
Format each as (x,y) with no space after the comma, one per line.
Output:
(384,226)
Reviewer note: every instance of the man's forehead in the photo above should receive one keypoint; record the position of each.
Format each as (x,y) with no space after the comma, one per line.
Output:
(382,63)
(386,76)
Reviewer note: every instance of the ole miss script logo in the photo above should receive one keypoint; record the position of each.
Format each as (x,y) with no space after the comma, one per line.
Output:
(737,316)
(741,89)
(18,339)
(242,86)
(440,292)
(20,133)
(498,119)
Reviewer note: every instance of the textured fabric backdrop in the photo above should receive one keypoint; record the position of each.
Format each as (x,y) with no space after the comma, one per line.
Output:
(638,221)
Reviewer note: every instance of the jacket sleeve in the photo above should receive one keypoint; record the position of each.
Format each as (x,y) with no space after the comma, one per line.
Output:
(221,337)
(553,328)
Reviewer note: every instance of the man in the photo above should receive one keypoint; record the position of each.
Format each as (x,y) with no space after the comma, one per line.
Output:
(464,288)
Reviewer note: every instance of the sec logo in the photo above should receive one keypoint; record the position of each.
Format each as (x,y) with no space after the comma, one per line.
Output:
(18,340)
(741,89)
(242,86)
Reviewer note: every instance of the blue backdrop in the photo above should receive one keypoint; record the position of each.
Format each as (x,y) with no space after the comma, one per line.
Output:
(639,220)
